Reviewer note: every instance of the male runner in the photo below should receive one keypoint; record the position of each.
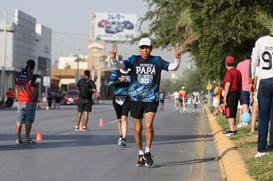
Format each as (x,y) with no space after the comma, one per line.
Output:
(144,91)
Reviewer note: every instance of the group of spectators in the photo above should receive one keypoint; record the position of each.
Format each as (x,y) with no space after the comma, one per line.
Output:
(250,84)
(51,97)
(236,80)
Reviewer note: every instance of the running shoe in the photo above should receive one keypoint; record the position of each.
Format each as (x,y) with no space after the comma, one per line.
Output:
(85,128)
(148,159)
(260,154)
(242,124)
(29,141)
(19,141)
(123,142)
(76,128)
(119,141)
(229,133)
(140,161)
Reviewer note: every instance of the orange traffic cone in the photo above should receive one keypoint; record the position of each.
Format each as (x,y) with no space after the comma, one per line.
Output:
(101,122)
(80,127)
(39,136)
(92,107)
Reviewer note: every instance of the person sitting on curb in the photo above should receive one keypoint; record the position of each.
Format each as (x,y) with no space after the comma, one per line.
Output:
(219,110)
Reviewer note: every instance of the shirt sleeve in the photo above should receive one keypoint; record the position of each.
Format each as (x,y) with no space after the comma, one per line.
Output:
(92,84)
(33,81)
(228,77)
(174,66)
(254,60)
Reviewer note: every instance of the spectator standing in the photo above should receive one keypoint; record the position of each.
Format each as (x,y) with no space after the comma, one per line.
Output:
(232,87)
(254,101)
(262,55)
(25,91)
(243,67)
(144,91)
(212,95)
(10,98)
(44,100)
(216,96)
(86,87)
(58,97)
(49,98)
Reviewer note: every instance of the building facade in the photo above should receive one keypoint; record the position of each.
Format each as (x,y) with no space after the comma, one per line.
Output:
(25,39)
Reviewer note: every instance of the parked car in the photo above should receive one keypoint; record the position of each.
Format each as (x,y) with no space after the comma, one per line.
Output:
(113,27)
(102,23)
(71,97)
(128,25)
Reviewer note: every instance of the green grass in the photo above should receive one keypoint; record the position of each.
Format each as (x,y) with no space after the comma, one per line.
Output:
(260,169)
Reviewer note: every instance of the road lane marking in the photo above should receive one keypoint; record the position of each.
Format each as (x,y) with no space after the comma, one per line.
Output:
(197,170)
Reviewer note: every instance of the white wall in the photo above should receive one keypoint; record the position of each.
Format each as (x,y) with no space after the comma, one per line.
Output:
(63,61)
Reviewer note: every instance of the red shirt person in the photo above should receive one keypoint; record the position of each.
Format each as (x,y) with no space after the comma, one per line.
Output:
(232,87)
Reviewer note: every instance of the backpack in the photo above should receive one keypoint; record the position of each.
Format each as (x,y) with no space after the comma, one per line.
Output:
(85,87)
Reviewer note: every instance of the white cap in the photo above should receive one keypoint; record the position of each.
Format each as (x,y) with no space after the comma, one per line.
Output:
(145,42)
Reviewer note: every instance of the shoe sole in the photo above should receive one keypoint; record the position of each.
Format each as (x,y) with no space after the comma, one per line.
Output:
(146,164)
(259,156)
(138,165)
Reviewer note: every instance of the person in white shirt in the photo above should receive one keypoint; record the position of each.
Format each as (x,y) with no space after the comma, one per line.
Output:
(262,54)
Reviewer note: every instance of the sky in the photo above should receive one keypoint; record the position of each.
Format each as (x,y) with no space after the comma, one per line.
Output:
(69,21)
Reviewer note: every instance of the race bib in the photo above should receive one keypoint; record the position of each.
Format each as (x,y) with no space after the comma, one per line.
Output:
(145,79)
(120,101)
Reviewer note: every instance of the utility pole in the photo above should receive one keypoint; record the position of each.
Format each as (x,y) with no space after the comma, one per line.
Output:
(77,77)
(3,83)
(93,17)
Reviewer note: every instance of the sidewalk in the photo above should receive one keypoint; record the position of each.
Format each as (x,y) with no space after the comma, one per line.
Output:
(232,165)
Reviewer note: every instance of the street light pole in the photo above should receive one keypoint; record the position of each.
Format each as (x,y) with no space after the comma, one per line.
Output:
(3,83)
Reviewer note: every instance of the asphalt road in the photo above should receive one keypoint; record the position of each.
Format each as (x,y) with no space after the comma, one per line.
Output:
(182,149)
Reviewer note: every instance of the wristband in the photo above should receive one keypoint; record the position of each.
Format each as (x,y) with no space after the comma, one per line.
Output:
(251,80)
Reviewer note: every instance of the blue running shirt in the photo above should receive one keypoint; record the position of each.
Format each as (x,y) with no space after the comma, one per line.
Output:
(120,88)
(145,77)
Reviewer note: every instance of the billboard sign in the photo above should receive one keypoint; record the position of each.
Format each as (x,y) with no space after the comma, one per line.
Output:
(115,26)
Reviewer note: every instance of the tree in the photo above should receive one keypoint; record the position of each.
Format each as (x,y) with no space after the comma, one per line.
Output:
(67,66)
(192,79)
(209,29)
(163,17)
(224,28)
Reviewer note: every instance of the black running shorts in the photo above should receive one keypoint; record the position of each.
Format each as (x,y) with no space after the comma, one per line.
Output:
(139,108)
(121,110)
(84,106)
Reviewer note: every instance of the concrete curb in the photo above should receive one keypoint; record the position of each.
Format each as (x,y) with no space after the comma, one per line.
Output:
(232,165)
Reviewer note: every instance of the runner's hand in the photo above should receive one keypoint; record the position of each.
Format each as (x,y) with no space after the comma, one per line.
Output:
(122,78)
(177,52)
(113,52)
